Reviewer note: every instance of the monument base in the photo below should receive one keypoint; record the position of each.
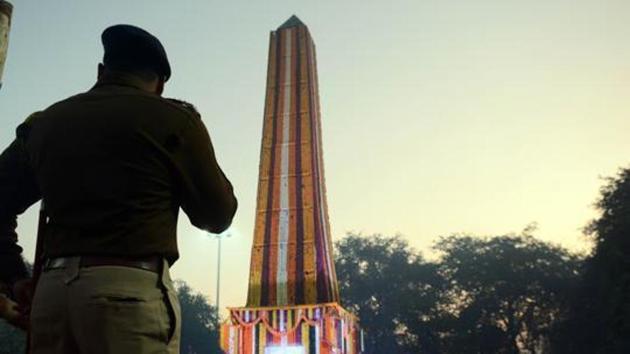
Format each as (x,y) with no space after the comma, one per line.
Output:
(303,329)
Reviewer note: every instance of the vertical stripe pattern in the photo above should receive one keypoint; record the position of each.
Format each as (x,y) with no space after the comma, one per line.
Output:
(293,295)
(291,262)
(283,220)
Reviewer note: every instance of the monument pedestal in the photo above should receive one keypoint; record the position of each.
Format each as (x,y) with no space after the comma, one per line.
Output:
(303,329)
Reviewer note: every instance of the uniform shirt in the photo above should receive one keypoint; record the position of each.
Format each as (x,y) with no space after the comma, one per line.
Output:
(113,166)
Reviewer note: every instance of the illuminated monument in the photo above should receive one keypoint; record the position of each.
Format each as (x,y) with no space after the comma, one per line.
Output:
(293,301)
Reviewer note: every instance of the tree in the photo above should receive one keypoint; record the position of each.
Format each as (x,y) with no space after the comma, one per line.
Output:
(608,271)
(483,295)
(504,293)
(12,340)
(600,316)
(200,322)
(391,289)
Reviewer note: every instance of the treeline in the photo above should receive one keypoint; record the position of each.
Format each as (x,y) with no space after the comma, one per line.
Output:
(501,294)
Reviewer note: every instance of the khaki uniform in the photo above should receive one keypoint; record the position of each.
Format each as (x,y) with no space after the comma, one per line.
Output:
(105,310)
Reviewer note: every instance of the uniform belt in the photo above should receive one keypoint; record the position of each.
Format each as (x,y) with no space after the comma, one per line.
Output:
(151,264)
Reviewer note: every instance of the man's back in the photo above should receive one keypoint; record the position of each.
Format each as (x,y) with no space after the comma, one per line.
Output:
(114,165)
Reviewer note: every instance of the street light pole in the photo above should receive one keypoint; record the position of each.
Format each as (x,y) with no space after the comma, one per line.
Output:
(218,270)
(219,237)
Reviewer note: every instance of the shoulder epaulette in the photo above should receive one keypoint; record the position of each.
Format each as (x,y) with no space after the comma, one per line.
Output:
(24,128)
(189,107)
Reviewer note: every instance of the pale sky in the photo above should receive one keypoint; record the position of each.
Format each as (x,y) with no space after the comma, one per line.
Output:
(438,116)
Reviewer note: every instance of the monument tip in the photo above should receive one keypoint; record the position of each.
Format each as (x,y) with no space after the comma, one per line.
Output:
(293,21)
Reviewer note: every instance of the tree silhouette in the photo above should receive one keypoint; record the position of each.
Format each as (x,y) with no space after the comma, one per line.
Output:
(392,290)
(484,295)
(599,320)
(12,340)
(200,322)
(504,293)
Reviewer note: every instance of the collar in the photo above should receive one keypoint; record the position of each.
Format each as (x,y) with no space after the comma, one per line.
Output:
(120,79)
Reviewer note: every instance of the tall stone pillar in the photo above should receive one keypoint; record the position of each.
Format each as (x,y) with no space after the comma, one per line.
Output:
(291,260)
(293,299)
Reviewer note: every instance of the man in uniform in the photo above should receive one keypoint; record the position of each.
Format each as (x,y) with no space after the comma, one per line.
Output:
(113,166)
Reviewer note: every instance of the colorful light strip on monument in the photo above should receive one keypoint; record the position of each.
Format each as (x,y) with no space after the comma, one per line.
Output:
(293,299)
(291,260)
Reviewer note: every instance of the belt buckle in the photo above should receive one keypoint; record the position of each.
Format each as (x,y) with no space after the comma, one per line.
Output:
(46,264)
(54,263)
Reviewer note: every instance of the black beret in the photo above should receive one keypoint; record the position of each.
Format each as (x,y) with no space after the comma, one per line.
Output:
(131,48)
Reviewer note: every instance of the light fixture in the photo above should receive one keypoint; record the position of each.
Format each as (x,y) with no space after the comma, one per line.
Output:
(287,349)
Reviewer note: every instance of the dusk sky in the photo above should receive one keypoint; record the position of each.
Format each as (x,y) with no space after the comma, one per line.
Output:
(439,117)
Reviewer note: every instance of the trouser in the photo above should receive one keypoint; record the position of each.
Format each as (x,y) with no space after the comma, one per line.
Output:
(105,310)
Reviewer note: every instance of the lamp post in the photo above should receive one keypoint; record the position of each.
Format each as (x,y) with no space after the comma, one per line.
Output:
(219,237)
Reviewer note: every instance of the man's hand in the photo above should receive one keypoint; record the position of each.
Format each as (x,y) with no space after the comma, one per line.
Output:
(9,311)
(17,313)
(23,292)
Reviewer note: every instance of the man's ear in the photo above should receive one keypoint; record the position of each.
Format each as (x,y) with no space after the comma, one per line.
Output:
(100,70)
(159,88)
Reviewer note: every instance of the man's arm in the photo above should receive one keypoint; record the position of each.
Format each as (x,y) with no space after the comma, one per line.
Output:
(18,191)
(207,196)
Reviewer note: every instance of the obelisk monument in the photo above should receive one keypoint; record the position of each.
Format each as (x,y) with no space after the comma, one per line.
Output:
(291,260)
(293,299)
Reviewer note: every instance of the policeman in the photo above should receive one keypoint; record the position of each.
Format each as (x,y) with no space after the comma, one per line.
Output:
(113,165)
